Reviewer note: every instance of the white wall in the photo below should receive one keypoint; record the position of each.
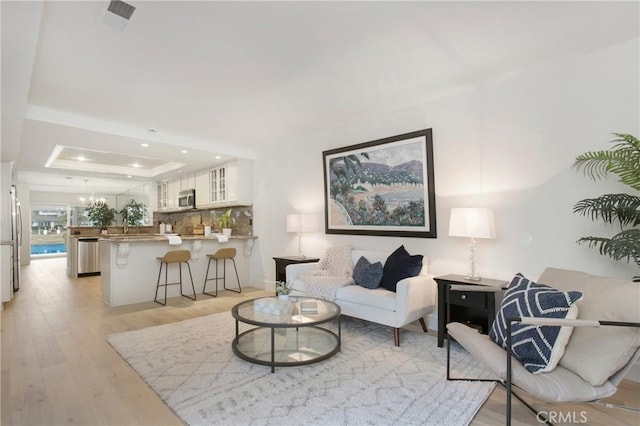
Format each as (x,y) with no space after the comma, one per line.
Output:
(508,145)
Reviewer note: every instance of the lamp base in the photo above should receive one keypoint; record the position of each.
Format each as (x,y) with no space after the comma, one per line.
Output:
(473,278)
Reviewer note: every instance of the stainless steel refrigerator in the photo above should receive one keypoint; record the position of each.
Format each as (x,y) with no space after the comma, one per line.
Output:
(16,236)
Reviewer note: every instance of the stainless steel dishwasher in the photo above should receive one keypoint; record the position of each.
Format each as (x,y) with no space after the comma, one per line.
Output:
(88,256)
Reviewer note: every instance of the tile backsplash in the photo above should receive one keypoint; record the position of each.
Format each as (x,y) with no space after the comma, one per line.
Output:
(184,221)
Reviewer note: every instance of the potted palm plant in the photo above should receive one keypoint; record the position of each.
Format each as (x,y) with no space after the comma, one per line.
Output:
(225,222)
(622,160)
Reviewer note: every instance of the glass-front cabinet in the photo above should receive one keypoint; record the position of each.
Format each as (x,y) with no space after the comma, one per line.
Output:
(218,185)
(162,195)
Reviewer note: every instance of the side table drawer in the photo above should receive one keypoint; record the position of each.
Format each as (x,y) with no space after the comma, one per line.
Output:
(470,299)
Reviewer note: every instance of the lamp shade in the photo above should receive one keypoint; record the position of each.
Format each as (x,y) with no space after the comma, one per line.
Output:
(301,222)
(472,222)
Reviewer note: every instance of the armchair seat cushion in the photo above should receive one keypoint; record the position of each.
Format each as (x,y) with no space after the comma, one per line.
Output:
(376,298)
(559,385)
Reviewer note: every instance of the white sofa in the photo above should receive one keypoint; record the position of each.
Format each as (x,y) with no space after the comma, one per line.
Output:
(414,298)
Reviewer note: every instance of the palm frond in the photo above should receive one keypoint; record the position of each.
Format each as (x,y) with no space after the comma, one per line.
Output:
(623,160)
(623,245)
(624,208)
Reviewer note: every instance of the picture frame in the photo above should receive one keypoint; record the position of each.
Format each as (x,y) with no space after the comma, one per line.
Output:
(383,187)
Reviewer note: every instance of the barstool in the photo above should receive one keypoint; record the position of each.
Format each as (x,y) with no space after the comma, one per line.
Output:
(222,254)
(179,257)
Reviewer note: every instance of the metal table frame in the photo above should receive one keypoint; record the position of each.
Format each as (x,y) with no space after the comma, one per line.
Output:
(285,325)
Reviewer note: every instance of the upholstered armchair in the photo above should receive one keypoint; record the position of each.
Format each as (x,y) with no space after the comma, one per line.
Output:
(603,344)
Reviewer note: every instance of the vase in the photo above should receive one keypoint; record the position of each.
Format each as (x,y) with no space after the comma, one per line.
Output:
(283,296)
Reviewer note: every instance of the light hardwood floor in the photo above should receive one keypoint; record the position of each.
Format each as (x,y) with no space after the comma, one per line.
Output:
(58,369)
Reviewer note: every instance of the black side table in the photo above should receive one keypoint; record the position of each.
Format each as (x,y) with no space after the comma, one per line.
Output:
(475,309)
(283,261)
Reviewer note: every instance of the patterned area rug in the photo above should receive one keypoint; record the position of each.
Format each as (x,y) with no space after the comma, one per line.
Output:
(191,366)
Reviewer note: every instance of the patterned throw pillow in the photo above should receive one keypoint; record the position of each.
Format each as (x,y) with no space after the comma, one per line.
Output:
(367,274)
(398,266)
(538,348)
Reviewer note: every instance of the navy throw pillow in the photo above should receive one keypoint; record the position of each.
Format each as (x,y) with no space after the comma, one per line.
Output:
(538,348)
(398,266)
(367,274)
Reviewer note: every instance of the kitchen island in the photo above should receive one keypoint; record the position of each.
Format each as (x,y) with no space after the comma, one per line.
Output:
(129,265)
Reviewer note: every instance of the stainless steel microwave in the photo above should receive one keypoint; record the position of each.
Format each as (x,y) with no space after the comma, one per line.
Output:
(187,199)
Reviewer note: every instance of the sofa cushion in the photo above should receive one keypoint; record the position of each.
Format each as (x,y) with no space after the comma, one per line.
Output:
(605,299)
(367,274)
(398,266)
(376,298)
(538,348)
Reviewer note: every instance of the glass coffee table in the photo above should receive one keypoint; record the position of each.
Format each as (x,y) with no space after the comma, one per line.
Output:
(287,332)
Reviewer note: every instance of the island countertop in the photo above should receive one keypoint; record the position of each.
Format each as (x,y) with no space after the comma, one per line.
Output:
(129,264)
(120,238)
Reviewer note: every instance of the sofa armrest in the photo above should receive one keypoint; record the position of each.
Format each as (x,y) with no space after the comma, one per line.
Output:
(414,294)
(295,269)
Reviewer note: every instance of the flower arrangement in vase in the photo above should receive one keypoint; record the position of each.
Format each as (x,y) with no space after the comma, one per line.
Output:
(283,289)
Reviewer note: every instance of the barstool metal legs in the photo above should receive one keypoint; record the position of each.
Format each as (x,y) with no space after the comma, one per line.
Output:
(206,278)
(192,286)
(224,271)
(223,277)
(167,283)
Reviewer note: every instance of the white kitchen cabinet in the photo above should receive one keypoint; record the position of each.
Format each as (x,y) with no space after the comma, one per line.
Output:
(228,184)
(187,182)
(240,181)
(173,189)
(231,183)
(202,188)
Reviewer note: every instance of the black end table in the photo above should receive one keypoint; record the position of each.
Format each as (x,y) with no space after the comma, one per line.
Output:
(283,261)
(475,309)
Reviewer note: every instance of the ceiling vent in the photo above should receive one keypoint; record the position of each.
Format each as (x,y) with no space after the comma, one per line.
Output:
(121,9)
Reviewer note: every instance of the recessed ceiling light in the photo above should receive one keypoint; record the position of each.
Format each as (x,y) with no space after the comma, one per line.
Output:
(128,176)
(184,151)
(81,158)
(218,157)
(136,165)
(144,145)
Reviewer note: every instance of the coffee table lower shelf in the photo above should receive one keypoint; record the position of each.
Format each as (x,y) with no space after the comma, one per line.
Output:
(286,347)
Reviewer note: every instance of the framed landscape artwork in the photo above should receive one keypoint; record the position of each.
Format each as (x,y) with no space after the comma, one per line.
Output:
(383,187)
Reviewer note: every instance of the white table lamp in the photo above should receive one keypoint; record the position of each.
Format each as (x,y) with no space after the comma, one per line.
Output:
(299,223)
(472,223)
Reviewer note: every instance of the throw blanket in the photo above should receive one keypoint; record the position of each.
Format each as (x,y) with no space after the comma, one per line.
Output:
(334,271)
